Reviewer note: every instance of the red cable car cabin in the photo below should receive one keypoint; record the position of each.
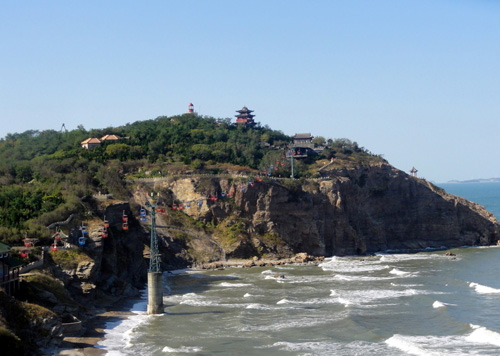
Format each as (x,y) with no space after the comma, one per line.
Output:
(24,253)
(53,247)
(125,226)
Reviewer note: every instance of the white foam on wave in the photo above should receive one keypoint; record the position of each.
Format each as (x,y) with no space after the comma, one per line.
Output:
(276,324)
(119,335)
(182,349)
(484,336)
(398,272)
(268,271)
(437,304)
(310,348)
(406,345)
(199,300)
(344,277)
(346,302)
(283,301)
(371,297)
(347,264)
(484,289)
(258,306)
(247,295)
(233,285)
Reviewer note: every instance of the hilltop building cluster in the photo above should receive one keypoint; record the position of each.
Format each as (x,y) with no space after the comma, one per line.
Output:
(93,142)
(302,144)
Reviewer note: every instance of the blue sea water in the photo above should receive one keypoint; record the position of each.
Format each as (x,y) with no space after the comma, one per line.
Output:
(486,194)
(420,304)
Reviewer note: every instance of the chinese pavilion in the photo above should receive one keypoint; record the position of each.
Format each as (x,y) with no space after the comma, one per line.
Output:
(245,117)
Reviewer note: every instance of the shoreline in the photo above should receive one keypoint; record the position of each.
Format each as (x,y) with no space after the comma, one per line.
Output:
(299,258)
(87,343)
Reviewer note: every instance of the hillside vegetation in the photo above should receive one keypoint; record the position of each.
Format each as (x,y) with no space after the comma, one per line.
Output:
(45,176)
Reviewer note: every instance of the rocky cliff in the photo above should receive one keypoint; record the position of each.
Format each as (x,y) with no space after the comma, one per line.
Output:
(352,211)
(360,211)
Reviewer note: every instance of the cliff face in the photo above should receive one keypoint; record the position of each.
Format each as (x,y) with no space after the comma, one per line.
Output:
(354,211)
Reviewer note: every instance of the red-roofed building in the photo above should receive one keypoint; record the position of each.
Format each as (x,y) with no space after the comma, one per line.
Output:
(90,143)
(110,138)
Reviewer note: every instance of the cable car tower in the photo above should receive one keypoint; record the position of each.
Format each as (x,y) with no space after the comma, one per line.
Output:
(155,283)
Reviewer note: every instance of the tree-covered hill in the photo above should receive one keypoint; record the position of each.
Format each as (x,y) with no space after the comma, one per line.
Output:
(44,175)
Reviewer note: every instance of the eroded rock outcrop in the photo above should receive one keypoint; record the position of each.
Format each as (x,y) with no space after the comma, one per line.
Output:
(350,211)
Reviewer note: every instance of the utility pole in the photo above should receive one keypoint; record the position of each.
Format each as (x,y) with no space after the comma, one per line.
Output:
(155,282)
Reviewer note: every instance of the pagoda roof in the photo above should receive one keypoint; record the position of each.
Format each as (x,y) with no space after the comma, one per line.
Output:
(302,135)
(244,110)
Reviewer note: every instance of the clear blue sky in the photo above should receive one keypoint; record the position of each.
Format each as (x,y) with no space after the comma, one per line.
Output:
(416,81)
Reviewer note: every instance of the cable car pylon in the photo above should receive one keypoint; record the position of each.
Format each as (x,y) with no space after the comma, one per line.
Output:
(155,282)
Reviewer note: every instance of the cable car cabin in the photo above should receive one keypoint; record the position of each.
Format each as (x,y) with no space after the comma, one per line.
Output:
(181,207)
(104,233)
(83,229)
(53,247)
(200,203)
(174,207)
(27,242)
(143,218)
(142,212)
(81,240)
(105,224)
(24,253)
(160,209)
(124,218)
(125,226)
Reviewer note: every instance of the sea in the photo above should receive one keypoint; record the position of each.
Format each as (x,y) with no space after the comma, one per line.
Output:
(426,303)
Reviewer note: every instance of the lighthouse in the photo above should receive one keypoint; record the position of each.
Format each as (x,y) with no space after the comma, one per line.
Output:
(190,109)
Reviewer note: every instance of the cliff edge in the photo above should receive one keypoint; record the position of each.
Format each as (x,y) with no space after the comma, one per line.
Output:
(362,210)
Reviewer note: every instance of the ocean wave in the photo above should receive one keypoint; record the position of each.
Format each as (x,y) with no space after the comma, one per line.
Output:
(484,289)
(375,297)
(484,336)
(258,306)
(268,271)
(347,264)
(182,349)
(345,277)
(283,301)
(120,335)
(359,348)
(437,304)
(399,257)
(233,285)
(406,345)
(398,272)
